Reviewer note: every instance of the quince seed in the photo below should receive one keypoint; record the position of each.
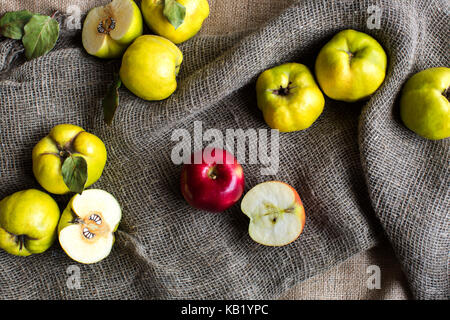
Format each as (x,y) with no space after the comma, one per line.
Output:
(87,234)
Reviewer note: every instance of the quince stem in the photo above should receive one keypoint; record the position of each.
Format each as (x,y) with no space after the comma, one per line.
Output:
(21,241)
(446,93)
(283,91)
(64,154)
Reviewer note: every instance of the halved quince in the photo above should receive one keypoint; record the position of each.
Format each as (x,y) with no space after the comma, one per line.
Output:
(108,30)
(87,226)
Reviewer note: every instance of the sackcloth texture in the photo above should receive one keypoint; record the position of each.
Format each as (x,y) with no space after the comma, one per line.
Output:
(363,177)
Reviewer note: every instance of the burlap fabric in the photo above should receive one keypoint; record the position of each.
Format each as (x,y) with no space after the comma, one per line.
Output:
(353,279)
(352,169)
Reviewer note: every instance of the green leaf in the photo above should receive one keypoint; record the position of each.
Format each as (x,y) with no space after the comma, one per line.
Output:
(12,23)
(111,100)
(74,172)
(174,12)
(41,34)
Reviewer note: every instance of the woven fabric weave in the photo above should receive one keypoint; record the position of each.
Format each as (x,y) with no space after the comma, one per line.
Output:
(361,174)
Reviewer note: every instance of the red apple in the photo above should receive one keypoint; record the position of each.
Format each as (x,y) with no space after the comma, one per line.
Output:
(213,181)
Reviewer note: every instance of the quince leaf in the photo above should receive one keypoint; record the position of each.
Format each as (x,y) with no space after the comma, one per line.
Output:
(174,12)
(41,34)
(74,173)
(111,100)
(12,23)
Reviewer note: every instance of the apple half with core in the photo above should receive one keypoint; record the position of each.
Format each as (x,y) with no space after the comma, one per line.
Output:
(213,181)
(87,226)
(424,104)
(28,221)
(351,66)
(289,97)
(107,31)
(276,212)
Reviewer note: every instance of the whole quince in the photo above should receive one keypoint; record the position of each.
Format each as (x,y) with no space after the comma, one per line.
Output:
(56,158)
(424,104)
(351,66)
(28,222)
(177,20)
(289,97)
(150,67)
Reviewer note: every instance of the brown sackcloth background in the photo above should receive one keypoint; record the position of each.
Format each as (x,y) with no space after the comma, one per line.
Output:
(356,171)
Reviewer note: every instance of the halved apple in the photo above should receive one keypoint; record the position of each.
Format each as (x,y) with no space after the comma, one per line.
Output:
(276,213)
(87,225)
(107,31)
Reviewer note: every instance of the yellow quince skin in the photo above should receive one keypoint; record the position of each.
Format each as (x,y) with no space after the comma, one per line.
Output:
(424,104)
(150,67)
(351,66)
(289,97)
(67,140)
(28,222)
(196,12)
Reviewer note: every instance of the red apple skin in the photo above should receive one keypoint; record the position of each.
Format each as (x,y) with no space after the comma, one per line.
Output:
(212,186)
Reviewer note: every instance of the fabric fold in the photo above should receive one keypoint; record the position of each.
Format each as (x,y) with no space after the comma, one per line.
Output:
(360,173)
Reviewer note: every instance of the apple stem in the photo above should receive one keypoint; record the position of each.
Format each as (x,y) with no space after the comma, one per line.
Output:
(212,173)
